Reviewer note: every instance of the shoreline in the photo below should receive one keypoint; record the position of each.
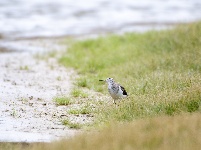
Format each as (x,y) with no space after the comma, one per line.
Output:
(144,26)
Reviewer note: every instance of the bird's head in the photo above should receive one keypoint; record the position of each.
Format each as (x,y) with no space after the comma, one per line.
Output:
(108,80)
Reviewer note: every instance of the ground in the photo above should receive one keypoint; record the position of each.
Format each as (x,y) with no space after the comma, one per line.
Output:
(28,86)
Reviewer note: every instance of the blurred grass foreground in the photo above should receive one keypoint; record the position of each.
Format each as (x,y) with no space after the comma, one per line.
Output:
(161,71)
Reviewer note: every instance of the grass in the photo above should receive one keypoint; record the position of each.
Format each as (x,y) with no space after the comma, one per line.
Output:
(13,113)
(14,146)
(82,82)
(63,100)
(165,132)
(78,93)
(160,70)
(135,109)
(83,110)
(24,67)
(71,125)
(59,78)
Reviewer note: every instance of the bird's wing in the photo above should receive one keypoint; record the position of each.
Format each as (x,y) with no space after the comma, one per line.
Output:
(123,89)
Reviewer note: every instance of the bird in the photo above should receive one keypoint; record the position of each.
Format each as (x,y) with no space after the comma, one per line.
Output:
(116,90)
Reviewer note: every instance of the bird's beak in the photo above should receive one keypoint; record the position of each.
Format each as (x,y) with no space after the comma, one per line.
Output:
(101,80)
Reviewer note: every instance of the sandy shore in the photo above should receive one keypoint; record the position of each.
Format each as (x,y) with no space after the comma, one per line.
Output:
(28,85)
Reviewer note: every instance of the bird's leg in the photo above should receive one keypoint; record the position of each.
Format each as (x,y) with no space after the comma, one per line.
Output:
(114,102)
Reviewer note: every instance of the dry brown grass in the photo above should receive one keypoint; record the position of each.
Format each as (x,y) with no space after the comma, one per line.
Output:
(175,132)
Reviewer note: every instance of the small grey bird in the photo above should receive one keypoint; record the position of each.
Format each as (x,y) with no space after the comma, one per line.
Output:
(116,90)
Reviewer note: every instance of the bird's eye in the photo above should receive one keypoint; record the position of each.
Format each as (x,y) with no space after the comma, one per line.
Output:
(109,78)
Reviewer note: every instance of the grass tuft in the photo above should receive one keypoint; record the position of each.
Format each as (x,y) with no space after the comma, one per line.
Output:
(83,110)
(79,93)
(63,100)
(82,82)
(24,68)
(71,125)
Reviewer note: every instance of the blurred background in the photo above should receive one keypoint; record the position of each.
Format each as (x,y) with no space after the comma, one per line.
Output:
(51,18)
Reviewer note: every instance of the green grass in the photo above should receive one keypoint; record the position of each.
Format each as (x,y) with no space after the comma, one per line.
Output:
(71,125)
(59,78)
(83,110)
(78,93)
(72,98)
(13,113)
(82,82)
(63,100)
(24,67)
(136,109)
(159,69)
